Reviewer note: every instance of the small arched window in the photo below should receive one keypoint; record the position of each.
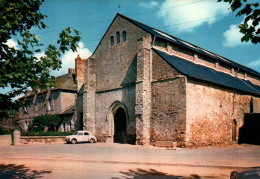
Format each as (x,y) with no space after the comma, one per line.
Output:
(112,41)
(118,37)
(124,36)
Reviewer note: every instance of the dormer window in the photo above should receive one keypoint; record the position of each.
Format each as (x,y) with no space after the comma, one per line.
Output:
(124,36)
(112,41)
(118,37)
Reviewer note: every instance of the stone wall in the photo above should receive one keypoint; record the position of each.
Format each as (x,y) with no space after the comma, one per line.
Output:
(42,140)
(116,73)
(67,99)
(211,111)
(42,110)
(78,114)
(168,111)
(113,62)
(62,100)
(104,101)
(168,103)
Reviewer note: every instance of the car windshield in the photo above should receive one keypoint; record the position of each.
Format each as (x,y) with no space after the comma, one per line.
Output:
(75,133)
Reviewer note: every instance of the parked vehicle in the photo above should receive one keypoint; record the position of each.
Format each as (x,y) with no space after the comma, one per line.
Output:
(254,174)
(81,136)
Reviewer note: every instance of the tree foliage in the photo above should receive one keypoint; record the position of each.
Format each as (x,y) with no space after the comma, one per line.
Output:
(250,25)
(19,68)
(47,120)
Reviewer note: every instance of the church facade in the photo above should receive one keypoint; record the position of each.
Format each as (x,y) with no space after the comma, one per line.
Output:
(143,86)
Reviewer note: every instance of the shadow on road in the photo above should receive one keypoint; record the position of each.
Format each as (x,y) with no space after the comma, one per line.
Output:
(152,173)
(20,171)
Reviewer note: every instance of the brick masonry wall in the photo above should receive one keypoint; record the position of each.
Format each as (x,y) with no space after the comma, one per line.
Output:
(210,112)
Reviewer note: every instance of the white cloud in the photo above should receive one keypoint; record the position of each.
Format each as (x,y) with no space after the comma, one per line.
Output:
(184,16)
(232,37)
(149,5)
(255,63)
(12,44)
(39,55)
(68,59)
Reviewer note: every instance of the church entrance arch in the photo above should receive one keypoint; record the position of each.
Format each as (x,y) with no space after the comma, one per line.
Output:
(119,125)
(117,118)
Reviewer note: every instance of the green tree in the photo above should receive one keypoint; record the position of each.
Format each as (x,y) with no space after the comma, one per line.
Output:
(19,68)
(250,25)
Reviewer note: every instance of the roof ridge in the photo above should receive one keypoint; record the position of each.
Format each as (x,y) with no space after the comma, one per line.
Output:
(174,39)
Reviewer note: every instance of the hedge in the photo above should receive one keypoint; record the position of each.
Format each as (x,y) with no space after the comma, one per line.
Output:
(47,120)
(49,133)
(3,131)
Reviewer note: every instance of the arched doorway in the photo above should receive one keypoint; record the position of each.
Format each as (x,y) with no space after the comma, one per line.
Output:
(117,118)
(119,125)
(234,130)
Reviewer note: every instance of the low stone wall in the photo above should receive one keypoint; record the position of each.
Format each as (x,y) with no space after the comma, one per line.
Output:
(42,139)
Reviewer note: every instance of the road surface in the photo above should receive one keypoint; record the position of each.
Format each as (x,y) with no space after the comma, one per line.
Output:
(102,160)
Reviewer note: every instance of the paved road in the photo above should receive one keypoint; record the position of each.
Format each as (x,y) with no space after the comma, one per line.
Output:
(124,161)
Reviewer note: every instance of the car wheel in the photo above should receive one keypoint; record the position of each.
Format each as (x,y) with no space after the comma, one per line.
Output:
(92,140)
(73,141)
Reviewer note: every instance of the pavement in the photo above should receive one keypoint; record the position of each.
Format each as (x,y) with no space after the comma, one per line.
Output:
(103,160)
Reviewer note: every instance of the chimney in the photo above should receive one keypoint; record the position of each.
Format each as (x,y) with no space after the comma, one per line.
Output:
(80,65)
(71,70)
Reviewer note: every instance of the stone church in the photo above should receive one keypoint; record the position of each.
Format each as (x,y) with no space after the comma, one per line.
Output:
(143,86)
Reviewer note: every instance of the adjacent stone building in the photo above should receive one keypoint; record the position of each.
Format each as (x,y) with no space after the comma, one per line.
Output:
(143,86)
(59,100)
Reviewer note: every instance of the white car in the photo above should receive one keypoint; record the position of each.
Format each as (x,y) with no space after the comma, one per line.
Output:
(81,136)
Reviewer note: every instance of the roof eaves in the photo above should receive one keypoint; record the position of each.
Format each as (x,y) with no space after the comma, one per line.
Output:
(207,74)
(176,40)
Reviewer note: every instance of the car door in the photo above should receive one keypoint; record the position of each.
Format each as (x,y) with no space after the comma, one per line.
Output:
(80,137)
(86,136)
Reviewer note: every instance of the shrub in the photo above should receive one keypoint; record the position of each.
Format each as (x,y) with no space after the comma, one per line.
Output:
(39,122)
(3,131)
(49,133)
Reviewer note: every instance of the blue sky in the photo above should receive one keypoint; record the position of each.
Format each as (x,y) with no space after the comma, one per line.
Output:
(205,23)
